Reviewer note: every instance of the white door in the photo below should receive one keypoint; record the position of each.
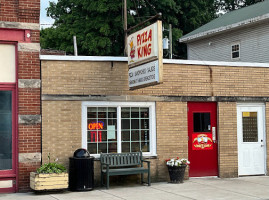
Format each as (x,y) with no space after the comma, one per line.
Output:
(251,139)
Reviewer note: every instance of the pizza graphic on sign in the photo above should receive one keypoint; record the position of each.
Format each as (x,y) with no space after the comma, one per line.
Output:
(202,142)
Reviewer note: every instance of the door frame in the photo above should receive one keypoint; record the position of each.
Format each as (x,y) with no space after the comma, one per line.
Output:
(13,86)
(239,126)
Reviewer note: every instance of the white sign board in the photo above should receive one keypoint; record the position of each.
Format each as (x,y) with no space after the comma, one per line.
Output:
(144,74)
(143,44)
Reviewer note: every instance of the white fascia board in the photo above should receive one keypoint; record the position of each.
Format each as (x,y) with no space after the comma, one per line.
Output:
(224,28)
(165,61)
(83,58)
(215,63)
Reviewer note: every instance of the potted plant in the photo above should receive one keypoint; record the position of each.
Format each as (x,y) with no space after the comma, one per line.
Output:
(176,168)
(49,176)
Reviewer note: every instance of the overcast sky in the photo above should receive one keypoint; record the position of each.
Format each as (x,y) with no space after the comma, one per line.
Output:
(44,20)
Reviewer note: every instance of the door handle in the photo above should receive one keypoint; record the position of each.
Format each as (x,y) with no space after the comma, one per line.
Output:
(262,145)
(214,134)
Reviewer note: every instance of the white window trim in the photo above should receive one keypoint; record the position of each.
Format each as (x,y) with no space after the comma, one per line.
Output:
(233,44)
(152,122)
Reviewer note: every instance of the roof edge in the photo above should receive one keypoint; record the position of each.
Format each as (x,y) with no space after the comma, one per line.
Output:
(83,58)
(165,61)
(224,28)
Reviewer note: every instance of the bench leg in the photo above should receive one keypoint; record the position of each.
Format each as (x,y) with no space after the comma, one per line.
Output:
(102,179)
(107,181)
(149,183)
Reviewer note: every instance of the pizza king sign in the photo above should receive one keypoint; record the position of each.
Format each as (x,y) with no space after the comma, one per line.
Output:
(142,45)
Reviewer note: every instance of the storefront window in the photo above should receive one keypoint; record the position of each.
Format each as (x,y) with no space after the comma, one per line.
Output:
(135,129)
(119,127)
(102,130)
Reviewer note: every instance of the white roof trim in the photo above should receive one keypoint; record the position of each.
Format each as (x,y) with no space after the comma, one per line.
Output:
(224,28)
(165,61)
(83,58)
(215,63)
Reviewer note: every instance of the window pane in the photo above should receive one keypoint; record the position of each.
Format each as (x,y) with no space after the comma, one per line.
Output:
(112,147)
(5,130)
(145,135)
(144,124)
(144,112)
(250,128)
(125,135)
(135,112)
(102,147)
(135,135)
(145,146)
(92,148)
(135,146)
(102,124)
(112,112)
(135,124)
(125,147)
(125,124)
(92,112)
(201,122)
(125,112)
(235,54)
(102,112)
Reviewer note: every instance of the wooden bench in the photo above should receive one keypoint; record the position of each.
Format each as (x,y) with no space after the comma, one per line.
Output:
(123,164)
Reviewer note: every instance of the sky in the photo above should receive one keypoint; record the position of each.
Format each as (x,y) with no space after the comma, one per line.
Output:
(45,21)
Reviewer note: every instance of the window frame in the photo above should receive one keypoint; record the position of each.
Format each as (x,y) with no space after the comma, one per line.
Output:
(119,105)
(239,52)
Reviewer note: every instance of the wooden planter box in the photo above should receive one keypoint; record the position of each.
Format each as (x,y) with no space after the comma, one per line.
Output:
(48,181)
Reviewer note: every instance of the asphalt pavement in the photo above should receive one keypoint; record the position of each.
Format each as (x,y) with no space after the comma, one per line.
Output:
(245,188)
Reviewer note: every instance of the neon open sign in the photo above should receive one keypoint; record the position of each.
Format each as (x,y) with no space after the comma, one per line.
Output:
(96,135)
(96,125)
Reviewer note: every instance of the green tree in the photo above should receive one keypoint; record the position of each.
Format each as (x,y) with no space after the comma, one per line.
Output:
(229,5)
(98,25)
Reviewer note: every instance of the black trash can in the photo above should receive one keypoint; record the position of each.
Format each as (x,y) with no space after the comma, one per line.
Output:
(81,171)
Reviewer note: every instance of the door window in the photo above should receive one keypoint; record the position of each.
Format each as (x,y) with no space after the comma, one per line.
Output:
(250,128)
(201,122)
(5,130)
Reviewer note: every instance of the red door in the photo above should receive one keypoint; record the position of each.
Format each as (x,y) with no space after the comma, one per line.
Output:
(202,144)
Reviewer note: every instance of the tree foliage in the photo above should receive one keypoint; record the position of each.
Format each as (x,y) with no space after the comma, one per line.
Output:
(229,5)
(98,25)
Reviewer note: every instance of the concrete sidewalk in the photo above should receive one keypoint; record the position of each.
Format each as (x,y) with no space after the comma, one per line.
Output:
(255,187)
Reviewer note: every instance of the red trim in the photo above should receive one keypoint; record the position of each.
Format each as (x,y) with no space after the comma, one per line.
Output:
(10,189)
(12,174)
(15,35)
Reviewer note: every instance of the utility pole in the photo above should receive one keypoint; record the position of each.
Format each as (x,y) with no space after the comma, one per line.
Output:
(125,27)
(170,39)
(75,45)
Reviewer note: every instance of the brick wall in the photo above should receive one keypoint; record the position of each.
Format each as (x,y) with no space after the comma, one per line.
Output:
(227,117)
(20,17)
(20,11)
(100,78)
(61,129)
(107,80)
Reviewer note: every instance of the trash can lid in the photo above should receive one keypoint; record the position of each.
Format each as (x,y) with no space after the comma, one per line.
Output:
(81,153)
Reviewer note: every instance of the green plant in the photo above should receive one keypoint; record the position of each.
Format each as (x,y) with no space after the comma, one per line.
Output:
(51,168)
(48,168)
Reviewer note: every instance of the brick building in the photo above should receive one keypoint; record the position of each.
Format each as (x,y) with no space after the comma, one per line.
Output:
(20,119)
(214,113)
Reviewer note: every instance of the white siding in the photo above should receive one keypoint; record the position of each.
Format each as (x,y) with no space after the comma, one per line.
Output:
(254,45)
